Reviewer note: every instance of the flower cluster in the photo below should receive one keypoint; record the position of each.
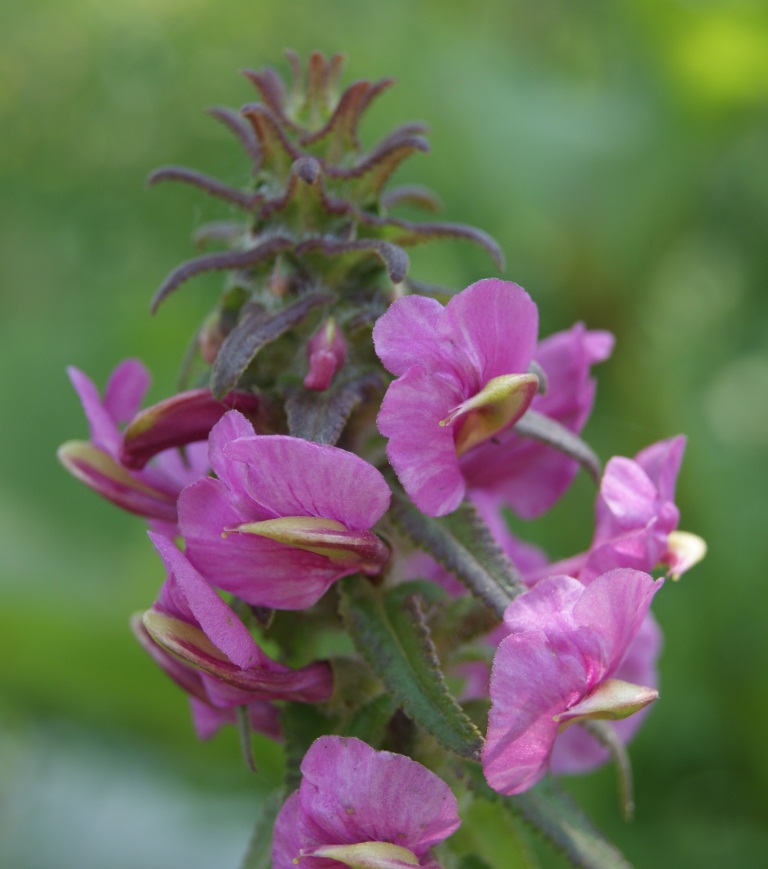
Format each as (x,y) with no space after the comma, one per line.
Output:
(329,510)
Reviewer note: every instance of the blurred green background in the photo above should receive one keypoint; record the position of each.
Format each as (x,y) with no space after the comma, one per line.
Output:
(618,153)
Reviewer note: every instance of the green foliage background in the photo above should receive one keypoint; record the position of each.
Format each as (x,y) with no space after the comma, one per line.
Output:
(618,153)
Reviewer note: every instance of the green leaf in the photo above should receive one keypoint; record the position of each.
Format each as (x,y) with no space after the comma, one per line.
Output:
(259,853)
(553,813)
(320,416)
(256,328)
(391,634)
(462,543)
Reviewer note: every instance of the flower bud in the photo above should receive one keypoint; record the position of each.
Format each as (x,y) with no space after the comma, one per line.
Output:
(327,351)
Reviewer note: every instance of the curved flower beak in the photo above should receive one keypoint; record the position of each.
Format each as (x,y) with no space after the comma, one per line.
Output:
(322,536)
(612,700)
(308,684)
(100,472)
(366,855)
(498,405)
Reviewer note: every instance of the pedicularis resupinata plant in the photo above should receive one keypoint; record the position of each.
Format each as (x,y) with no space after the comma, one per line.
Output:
(334,475)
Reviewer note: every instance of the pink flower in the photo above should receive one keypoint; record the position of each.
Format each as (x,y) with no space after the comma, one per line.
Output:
(461,379)
(205,648)
(357,806)
(636,518)
(560,664)
(285,519)
(462,382)
(113,461)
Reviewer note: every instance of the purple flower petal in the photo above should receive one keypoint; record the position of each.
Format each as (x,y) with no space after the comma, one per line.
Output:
(527,476)
(661,461)
(493,325)
(103,428)
(533,678)
(218,621)
(292,477)
(351,794)
(256,569)
(125,390)
(421,451)
(407,335)
(182,419)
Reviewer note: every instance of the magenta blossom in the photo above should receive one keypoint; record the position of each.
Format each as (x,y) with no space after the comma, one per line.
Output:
(200,642)
(559,665)
(636,518)
(463,380)
(112,462)
(360,807)
(285,519)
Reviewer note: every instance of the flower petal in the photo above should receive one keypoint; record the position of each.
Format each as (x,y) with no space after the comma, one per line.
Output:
(125,390)
(533,679)
(292,477)
(421,451)
(406,335)
(493,326)
(356,794)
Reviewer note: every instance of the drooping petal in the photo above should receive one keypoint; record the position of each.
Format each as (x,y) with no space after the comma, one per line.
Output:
(421,451)
(100,472)
(218,621)
(533,678)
